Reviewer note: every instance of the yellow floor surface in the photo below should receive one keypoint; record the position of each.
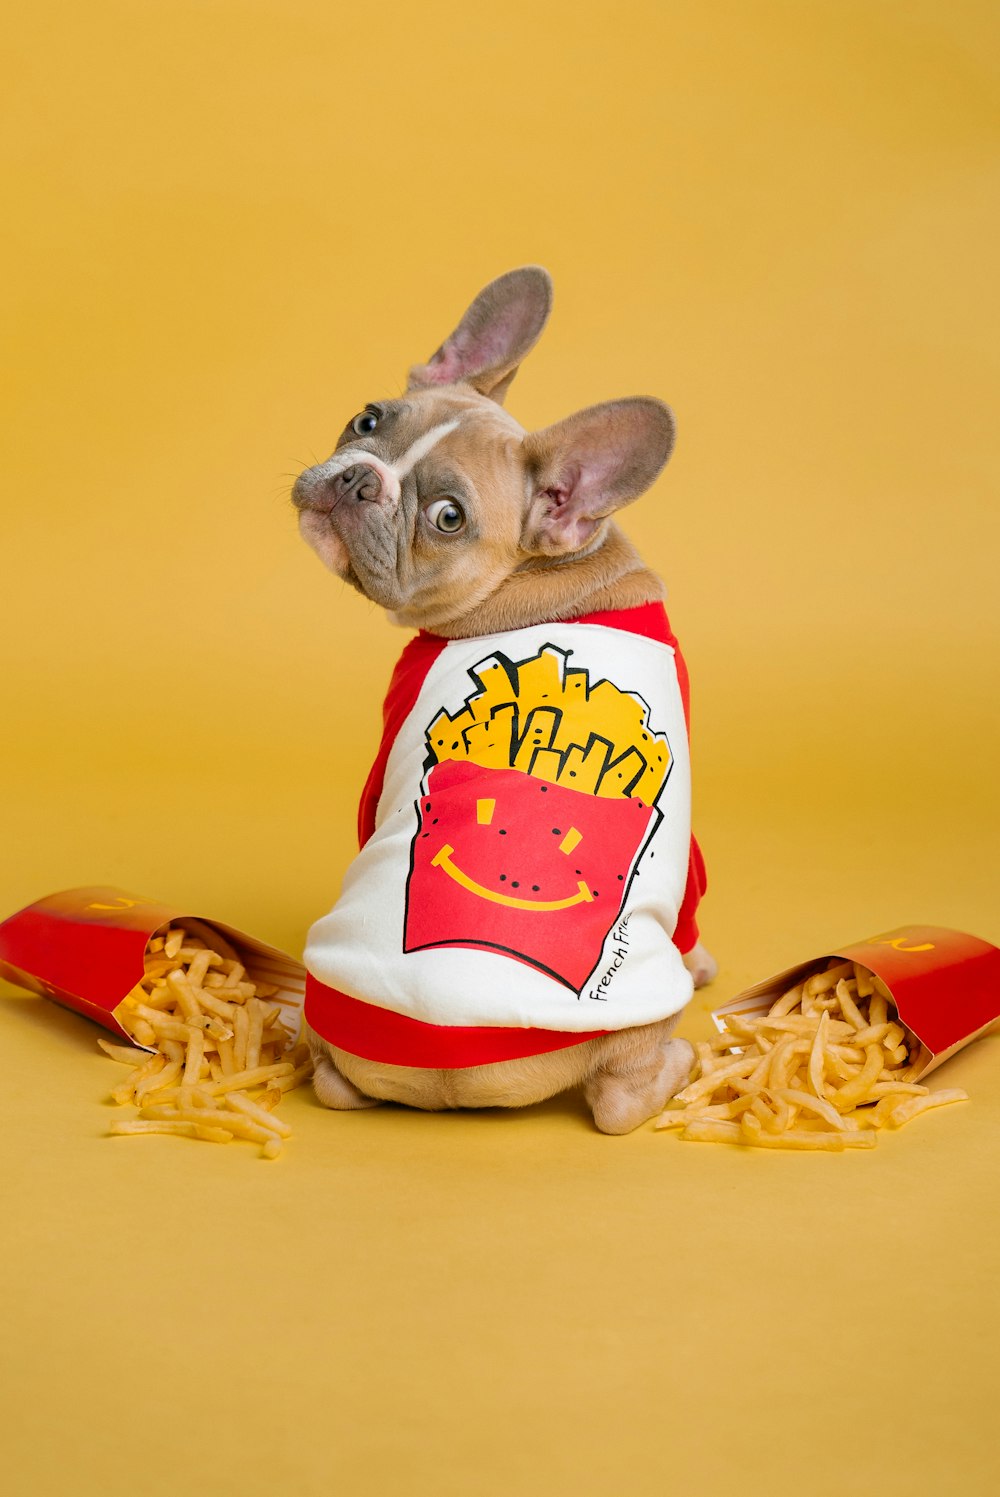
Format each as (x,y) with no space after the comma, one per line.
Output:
(507,1302)
(229,224)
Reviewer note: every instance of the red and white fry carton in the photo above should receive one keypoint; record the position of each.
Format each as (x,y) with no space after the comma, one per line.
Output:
(944,983)
(86,949)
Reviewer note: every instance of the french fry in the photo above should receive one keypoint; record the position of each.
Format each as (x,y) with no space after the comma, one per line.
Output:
(781,1061)
(198,968)
(163,1024)
(153,1081)
(124,1054)
(300,1074)
(816,1054)
(232,1122)
(853,1092)
(125,1090)
(894,1036)
(255,1028)
(916,1105)
(821,981)
(174,1126)
(706,1057)
(710,1131)
(784,1005)
(137,1027)
(202,1097)
(242,1080)
(826,1069)
(848,1007)
(160,996)
(818,1105)
(707,1084)
(184,994)
(215,1028)
(216,1006)
(260,1115)
(195,1055)
(862,1138)
(241,1036)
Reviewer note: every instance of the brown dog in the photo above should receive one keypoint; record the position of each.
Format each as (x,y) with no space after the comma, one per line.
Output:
(499,545)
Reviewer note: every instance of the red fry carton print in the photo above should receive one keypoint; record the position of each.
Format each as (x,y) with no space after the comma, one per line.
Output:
(538,803)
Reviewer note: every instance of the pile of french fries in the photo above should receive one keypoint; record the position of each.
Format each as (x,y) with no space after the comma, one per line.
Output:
(222,1057)
(826,1068)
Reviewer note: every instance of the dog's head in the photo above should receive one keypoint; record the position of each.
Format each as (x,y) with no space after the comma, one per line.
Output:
(436,501)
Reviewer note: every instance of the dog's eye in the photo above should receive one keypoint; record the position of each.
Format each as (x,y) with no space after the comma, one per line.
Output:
(446,515)
(364,424)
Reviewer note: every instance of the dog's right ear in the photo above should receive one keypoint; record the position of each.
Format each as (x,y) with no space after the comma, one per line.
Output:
(501,326)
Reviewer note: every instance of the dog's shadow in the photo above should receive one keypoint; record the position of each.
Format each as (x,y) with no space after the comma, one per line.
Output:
(567,1105)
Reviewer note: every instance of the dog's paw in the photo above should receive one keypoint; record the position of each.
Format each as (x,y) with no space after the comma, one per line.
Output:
(334,1090)
(701,964)
(623,1102)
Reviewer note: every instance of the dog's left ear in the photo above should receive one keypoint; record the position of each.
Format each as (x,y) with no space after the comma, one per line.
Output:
(501,326)
(584,468)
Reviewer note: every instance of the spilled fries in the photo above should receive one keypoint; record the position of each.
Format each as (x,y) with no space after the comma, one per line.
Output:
(827,1068)
(222,1058)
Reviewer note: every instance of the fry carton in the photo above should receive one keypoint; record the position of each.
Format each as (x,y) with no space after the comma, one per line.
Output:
(944,983)
(86,948)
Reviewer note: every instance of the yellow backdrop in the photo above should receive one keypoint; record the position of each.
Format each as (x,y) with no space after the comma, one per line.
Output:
(229,224)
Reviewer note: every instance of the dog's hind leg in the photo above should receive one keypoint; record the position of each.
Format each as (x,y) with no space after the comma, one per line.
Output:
(334,1090)
(636,1072)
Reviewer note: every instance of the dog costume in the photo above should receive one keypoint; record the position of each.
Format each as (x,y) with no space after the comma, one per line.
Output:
(527,878)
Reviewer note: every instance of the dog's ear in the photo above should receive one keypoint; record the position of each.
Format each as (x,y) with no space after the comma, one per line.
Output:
(584,468)
(501,326)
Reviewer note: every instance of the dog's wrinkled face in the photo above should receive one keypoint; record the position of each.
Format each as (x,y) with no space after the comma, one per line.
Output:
(432,501)
(421,503)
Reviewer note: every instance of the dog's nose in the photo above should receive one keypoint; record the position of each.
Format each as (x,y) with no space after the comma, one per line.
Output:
(321,490)
(358,481)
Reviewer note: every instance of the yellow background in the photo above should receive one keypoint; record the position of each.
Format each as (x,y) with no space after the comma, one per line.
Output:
(231,224)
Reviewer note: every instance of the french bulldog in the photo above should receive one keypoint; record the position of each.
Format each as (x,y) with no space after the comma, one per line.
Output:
(535,740)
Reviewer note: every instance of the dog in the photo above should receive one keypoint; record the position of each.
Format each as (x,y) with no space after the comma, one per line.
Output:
(535,741)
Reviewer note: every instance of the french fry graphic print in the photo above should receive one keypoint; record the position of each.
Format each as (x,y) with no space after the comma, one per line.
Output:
(539,797)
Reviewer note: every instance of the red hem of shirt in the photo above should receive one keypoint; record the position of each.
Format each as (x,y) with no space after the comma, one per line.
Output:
(381,1034)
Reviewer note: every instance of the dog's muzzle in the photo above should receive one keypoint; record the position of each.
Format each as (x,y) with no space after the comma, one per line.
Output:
(345,477)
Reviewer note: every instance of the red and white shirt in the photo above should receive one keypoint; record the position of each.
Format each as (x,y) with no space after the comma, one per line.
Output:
(527,877)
